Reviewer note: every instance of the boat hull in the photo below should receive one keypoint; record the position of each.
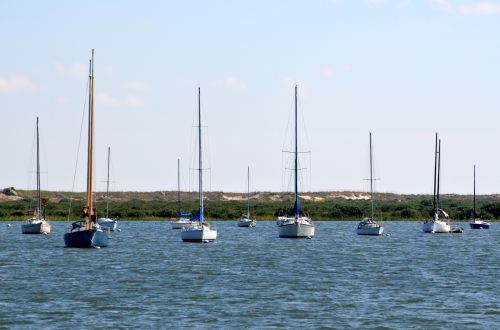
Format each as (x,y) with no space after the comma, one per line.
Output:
(198,234)
(42,227)
(108,223)
(87,238)
(479,225)
(436,226)
(246,223)
(180,224)
(371,231)
(296,230)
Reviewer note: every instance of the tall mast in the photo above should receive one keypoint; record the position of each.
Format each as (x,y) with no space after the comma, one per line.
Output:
(200,168)
(107,186)
(439,171)
(371,173)
(38,199)
(296,206)
(90,146)
(474,214)
(435,175)
(248,191)
(178,181)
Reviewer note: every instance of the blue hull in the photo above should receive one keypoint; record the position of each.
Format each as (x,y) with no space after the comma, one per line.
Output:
(480,226)
(86,239)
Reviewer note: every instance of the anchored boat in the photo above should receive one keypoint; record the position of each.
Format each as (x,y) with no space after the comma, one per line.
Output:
(184,217)
(296,226)
(368,226)
(476,223)
(199,231)
(439,223)
(37,224)
(106,222)
(246,220)
(88,233)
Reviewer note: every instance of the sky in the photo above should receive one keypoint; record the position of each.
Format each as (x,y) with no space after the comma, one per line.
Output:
(401,69)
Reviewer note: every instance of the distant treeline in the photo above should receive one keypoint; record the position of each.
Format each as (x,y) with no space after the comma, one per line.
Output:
(414,209)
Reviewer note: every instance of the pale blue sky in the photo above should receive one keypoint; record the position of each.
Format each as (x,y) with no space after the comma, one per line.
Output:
(402,69)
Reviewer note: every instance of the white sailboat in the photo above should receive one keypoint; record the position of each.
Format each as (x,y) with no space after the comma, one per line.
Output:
(368,226)
(37,224)
(296,226)
(439,222)
(200,231)
(88,233)
(106,222)
(246,220)
(184,217)
(476,223)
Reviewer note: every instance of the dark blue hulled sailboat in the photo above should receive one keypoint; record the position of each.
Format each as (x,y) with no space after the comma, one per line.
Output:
(88,233)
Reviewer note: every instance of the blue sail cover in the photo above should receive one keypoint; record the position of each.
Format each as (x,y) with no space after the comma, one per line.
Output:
(182,214)
(296,208)
(198,216)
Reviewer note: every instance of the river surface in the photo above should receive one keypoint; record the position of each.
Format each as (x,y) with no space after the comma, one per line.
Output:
(250,278)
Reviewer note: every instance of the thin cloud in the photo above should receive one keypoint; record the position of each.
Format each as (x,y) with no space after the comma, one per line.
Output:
(231,83)
(138,86)
(476,8)
(71,70)
(130,101)
(481,8)
(326,72)
(16,83)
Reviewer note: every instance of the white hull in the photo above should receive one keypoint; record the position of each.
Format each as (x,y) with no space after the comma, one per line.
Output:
(370,230)
(244,222)
(199,234)
(179,224)
(436,226)
(292,228)
(35,227)
(100,239)
(107,223)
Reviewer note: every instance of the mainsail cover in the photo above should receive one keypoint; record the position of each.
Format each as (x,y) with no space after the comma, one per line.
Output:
(183,214)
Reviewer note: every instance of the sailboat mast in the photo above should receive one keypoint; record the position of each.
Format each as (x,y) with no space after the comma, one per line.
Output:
(107,186)
(248,191)
(296,207)
(474,211)
(38,197)
(371,173)
(435,175)
(178,181)
(90,146)
(439,172)
(200,168)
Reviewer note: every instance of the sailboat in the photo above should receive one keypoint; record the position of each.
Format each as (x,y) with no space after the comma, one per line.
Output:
(107,222)
(184,219)
(296,226)
(88,233)
(245,220)
(37,224)
(368,226)
(476,223)
(199,231)
(439,222)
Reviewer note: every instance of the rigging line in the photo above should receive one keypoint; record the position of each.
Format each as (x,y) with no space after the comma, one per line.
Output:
(31,167)
(79,143)
(304,126)
(288,129)
(310,173)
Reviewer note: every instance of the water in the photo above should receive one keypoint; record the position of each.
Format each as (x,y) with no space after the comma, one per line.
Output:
(250,278)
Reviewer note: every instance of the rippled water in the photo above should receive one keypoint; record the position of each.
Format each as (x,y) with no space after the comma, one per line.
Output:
(250,278)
